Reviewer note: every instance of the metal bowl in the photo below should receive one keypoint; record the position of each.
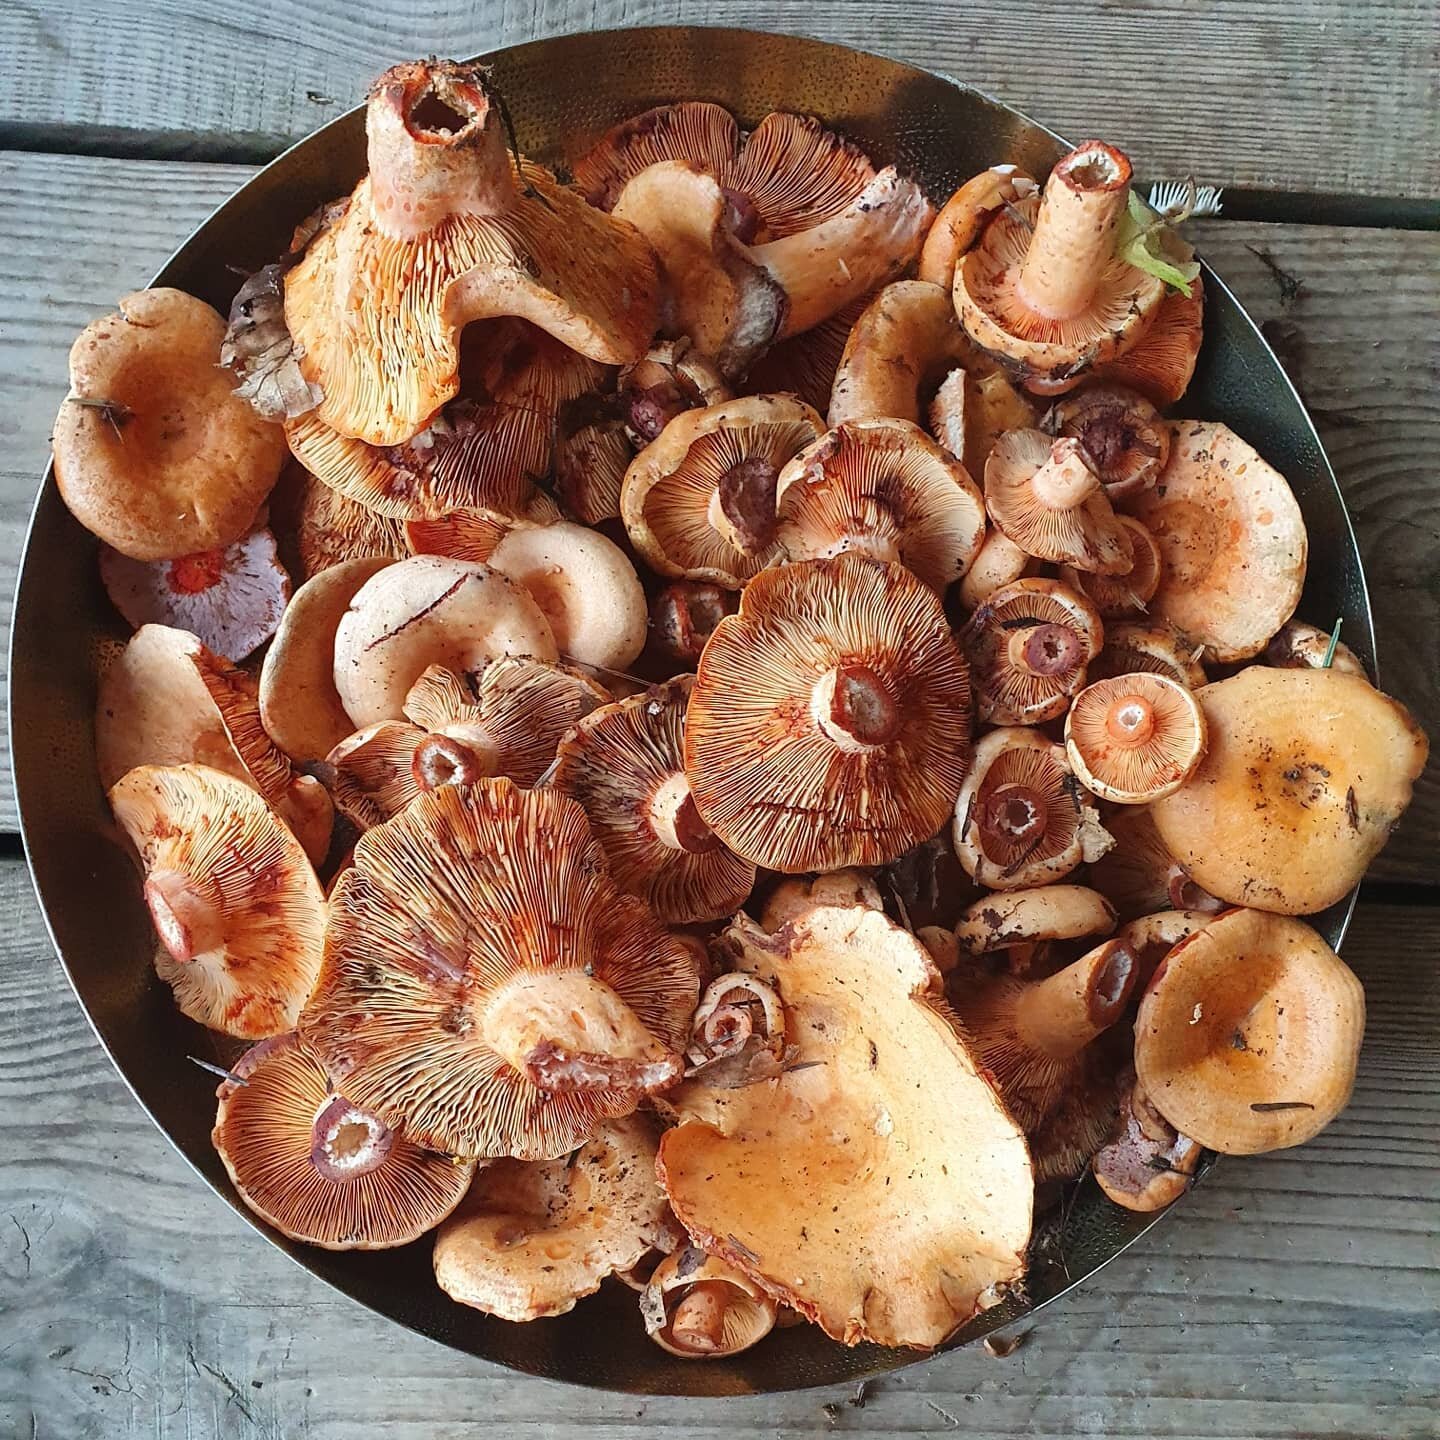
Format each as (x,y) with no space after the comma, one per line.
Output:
(563,94)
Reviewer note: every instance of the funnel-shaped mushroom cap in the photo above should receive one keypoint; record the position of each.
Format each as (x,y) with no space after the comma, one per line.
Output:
(1044,289)
(963,217)
(1023,917)
(429,611)
(1028,645)
(625,764)
(444,230)
(238,909)
(901,347)
(1298,646)
(1021,819)
(1146,1164)
(884,488)
(1248,1037)
(883,1207)
(1162,362)
(299,705)
(532,1239)
(487,985)
(330,529)
(230,599)
(1046,496)
(154,451)
(805,365)
(320,1170)
(1232,542)
(830,720)
(482,450)
(1122,597)
(1135,738)
(1156,649)
(1307,773)
(1134,874)
(698,1307)
(699,502)
(1127,441)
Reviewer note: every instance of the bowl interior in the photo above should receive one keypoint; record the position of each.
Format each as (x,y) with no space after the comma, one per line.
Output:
(563,94)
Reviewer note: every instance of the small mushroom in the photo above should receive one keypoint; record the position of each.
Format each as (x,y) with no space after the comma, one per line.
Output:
(505,996)
(154,451)
(1298,646)
(884,488)
(798,895)
(698,1307)
(1021,819)
(625,764)
(330,529)
(1122,433)
(805,365)
(883,1209)
(320,1169)
(424,611)
(299,705)
(683,616)
(1162,362)
(1038,1037)
(1028,646)
(586,588)
(1029,917)
(231,599)
(1155,648)
(1043,288)
(1232,542)
(1146,1164)
(830,720)
(530,1239)
(1046,496)
(998,562)
(1150,938)
(237,907)
(903,345)
(1120,597)
(1135,738)
(444,229)
(699,502)
(970,412)
(963,217)
(1249,1034)
(1307,773)
(673,376)
(592,453)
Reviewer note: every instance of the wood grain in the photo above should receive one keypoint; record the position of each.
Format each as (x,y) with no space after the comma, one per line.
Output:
(1319,96)
(1295,1294)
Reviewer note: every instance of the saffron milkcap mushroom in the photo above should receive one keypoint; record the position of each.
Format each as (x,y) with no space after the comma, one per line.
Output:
(1043,288)
(1307,773)
(1249,1034)
(797,895)
(505,996)
(1021,818)
(472,535)
(1298,646)
(1122,433)
(1025,917)
(997,563)
(698,1307)
(592,453)
(154,451)
(1120,597)
(1146,1164)
(1161,364)
(320,1169)
(805,365)
(699,502)
(1150,938)
(1155,648)
(962,219)
(443,230)
(1135,873)
(1028,645)
(625,764)
(330,529)
(1046,496)
(530,1239)
(970,412)
(683,616)
(1135,738)
(829,724)
(584,585)
(884,488)
(904,343)
(881,1209)
(1042,1040)
(1232,542)
(230,599)
(429,610)
(673,376)
(235,903)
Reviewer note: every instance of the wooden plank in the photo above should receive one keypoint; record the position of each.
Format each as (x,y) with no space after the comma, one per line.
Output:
(1323,96)
(1296,1294)
(1356,314)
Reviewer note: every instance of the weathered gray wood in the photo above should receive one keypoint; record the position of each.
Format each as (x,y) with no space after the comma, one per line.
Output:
(1324,95)
(1296,1294)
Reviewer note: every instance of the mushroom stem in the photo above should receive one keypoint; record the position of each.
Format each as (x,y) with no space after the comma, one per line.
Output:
(1046,650)
(742,507)
(854,708)
(189,923)
(1067,479)
(347,1142)
(437,148)
(448,760)
(1074,236)
(1061,1015)
(565,1030)
(676,821)
(699,1319)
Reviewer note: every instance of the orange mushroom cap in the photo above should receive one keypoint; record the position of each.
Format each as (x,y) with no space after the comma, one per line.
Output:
(962,220)
(1298,646)
(1156,648)
(1127,441)
(1135,738)
(1161,364)
(698,1307)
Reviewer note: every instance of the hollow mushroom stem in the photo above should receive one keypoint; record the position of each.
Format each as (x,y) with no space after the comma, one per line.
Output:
(188,921)
(1067,479)
(676,821)
(1074,235)
(854,708)
(346,1141)
(1046,650)
(567,1031)
(699,1320)
(1059,1016)
(442,759)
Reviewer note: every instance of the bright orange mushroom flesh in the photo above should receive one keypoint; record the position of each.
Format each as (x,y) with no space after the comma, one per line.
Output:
(1135,738)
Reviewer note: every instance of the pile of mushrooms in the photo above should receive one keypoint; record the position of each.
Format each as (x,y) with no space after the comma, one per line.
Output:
(745,750)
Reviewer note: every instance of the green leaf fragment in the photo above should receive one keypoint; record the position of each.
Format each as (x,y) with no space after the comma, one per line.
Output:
(1334,641)
(1140,241)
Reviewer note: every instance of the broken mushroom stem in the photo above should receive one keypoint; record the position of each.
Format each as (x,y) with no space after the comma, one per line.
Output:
(346,1141)
(1068,478)
(684,615)
(443,759)
(1185,894)
(677,822)
(742,507)
(1061,1015)
(734,1009)
(854,708)
(188,921)
(1046,650)
(1073,241)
